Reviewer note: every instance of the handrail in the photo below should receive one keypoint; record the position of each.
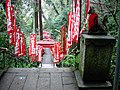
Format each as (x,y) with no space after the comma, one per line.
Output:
(6,51)
(2,48)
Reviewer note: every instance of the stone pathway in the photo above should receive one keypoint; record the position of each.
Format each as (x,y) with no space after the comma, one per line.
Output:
(47,59)
(38,79)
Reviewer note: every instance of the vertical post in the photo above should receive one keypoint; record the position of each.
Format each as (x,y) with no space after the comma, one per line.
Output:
(67,3)
(22,64)
(36,15)
(40,20)
(4,59)
(80,25)
(15,62)
(117,69)
(33,5)
(80,13)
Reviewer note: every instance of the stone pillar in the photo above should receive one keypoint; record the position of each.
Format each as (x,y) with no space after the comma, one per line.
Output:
(95,57)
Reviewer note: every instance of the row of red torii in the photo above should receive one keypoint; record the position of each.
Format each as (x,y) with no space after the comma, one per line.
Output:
(36,49)
(58,49)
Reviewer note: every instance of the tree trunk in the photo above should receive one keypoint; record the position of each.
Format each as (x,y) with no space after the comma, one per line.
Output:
(67,2)
(51,3)
(36,16)
(40,20)
(80,24)
(36,20)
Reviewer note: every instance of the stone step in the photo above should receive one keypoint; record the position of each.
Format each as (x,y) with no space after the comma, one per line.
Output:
(10,70)
(47,66)
(91,85)
(1,72)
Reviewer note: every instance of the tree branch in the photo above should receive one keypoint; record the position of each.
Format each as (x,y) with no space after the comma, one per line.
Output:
(62,5)
(55,8)
(116,4)
(47,21)
(114,15)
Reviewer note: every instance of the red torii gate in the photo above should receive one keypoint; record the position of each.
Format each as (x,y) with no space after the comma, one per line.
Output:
(46,43)
(54,48)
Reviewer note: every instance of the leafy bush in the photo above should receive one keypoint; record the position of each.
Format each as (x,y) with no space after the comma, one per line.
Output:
(70,61)
(3,20)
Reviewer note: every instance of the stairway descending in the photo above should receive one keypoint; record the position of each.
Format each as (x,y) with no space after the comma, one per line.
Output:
(38,79)
(47,59)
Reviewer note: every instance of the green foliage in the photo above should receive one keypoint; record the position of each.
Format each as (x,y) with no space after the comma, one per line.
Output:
(56,15)
(4,40)
(2,19)
(24,15)
(57,22)
(70,61)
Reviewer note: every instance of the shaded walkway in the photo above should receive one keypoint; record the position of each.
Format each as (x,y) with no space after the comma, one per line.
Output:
(38,79)
(47,59)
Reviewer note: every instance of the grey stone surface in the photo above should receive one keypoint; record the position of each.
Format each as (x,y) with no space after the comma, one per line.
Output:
(68,80)
(44,75)
(56,81)
(91,85)
(43,84)
(70,87)
(95,57)
(38,79)
(6,81)
(68,74)
(31,82)
(53,79)
(18,82)
(47,57)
